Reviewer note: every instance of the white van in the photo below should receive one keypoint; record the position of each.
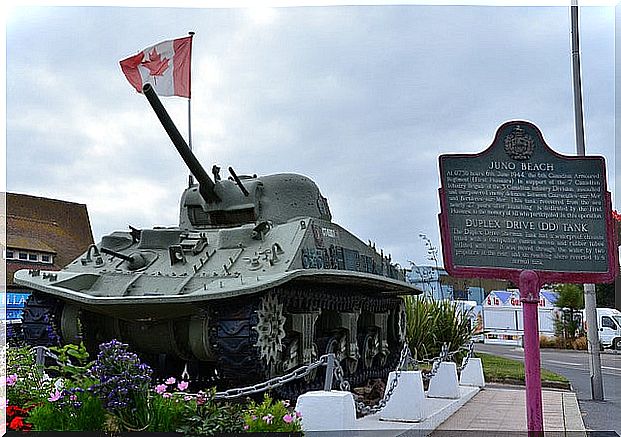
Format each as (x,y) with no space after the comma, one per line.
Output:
(609,326)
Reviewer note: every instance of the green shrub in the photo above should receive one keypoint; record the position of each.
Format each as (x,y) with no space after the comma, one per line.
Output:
(580,344)
(206,417)
(431,323)
(70,409)
(73,362)
(548,342)
(169,413)
(26,383)
(270,416)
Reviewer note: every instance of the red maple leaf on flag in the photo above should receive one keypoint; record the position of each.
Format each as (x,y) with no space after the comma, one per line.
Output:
(156,65)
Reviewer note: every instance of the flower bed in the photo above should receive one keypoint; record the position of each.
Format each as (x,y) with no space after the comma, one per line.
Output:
(116,392)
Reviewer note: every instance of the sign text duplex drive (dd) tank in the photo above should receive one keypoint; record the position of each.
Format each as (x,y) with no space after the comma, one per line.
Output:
(255,281)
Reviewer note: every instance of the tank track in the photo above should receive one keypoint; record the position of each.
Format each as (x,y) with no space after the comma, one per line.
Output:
(40,321)
(234,336)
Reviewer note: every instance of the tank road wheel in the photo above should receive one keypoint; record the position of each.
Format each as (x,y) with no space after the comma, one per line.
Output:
(370,349)
(337,345)
(70,326)
(271,331)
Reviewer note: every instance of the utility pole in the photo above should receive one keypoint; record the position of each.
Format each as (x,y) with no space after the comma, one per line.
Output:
(590,304)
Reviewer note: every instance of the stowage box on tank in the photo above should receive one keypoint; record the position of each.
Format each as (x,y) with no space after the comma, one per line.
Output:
(255,281)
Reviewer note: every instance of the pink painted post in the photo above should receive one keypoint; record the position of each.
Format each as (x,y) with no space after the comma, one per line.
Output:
(529,295)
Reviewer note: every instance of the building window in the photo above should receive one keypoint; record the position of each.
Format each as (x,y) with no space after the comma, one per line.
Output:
(46,258)
(10,254)
(23,255)
(32,257)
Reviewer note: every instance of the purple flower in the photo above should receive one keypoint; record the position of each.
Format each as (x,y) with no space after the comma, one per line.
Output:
(246,427)
(182,385)
(288,418)
(160,389)
(11,380)
(170,381)
(298,414)
(268,419)
(54,396)
(123,379)
(167,395)
(187,398)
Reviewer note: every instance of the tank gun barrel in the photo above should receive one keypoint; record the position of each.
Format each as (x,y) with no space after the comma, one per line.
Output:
(205,184)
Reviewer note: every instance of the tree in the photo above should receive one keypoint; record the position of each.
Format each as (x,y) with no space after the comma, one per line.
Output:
(605,295)
(570,300)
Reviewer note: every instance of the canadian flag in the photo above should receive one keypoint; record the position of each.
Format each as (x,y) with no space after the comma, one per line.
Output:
(166,66)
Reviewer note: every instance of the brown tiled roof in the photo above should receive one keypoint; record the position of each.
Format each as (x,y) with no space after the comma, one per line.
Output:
(46,225)
(27,243)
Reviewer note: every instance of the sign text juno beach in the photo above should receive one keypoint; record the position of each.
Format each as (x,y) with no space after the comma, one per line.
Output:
(520,205)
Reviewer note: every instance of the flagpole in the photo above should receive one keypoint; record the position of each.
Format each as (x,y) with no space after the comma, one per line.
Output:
(190,178)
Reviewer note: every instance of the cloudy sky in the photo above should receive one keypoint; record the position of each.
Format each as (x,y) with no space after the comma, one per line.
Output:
(362,99)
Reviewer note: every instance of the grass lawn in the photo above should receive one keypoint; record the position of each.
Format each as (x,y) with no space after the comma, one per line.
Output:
(505,370)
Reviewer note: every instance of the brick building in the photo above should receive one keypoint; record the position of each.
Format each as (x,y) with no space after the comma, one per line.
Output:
(44,234)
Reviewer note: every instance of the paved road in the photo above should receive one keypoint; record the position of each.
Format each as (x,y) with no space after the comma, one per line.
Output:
(574,365)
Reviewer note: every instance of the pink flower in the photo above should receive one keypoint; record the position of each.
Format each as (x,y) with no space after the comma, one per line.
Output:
(268,419)
(246,427)
(201,399)
(54,396)
(160,389)
(11,380)
(170,381)
(298,414)
(167,395)
(288,418)
(182,385)
(73,397)
(187,398)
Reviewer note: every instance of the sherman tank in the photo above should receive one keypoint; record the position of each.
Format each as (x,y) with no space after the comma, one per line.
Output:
(256,281)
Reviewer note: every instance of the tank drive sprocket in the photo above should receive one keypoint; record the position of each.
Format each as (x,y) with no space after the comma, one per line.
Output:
(271,331)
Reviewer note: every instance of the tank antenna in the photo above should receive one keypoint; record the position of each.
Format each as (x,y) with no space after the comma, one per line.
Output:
(238,182)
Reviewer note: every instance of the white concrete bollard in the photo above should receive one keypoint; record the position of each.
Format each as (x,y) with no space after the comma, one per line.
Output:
(327,410)
(444,383)
(472,374)
(408,402)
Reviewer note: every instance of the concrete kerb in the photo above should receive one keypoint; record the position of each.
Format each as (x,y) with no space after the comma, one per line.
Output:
(409,409)
(408,402)
(472,373)
(444,383)
(439,410)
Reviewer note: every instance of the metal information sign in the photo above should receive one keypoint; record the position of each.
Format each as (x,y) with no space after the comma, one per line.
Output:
(519,205)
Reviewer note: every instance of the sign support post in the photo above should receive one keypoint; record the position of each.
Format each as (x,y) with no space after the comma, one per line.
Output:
(529,295)
(590,301)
